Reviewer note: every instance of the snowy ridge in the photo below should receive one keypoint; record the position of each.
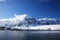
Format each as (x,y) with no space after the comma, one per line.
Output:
(43,27)
(23,21)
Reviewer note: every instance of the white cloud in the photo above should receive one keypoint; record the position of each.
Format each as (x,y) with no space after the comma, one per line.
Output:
(2,0)
(15,20)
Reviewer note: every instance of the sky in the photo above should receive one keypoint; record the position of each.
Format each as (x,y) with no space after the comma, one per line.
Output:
(33,8)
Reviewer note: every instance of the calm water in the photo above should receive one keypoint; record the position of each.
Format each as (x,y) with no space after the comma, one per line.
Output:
(29,35)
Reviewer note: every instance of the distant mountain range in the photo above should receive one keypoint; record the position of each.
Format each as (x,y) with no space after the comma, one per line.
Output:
(35,22)
(25,20)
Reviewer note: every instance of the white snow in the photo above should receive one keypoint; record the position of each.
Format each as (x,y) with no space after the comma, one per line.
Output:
(41,27)
(15,20)
(47,19)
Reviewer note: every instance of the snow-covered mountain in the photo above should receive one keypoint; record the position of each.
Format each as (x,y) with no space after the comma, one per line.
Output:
(34,22)
(49,21)
(25,20)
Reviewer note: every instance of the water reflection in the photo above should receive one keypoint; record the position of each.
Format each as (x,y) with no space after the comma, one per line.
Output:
(29,35)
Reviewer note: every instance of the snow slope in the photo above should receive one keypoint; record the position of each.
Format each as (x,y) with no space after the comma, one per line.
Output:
(41,27)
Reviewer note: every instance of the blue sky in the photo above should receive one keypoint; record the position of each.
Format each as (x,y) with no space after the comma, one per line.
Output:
(33,8)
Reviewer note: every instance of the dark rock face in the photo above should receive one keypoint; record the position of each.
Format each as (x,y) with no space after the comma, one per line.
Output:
(2,28)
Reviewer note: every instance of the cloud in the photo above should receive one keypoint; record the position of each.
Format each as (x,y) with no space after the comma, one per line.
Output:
(2,0)
(16,19)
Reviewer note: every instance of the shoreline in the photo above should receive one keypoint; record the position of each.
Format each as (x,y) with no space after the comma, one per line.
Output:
(27,30)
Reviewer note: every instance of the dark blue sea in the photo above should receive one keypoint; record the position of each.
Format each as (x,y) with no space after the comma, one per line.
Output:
(29,35)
